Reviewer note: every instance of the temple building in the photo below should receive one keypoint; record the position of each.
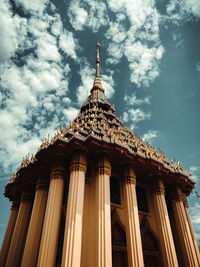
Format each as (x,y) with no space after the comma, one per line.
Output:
(96,196)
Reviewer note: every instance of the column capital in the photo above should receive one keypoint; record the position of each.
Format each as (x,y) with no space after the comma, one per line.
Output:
(175,193)
(27,196)
(42,184)
(128,174)
(103,164)
(185,201)
(158,187)
(58,168)
(15,204)
(78,161)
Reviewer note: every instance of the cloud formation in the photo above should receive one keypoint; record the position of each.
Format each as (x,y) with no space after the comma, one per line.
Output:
(183,9)
(33,82)
(133,100)
(132,30)
(194,170)
(151,134)
(138,40)
(87,14)
(133,116)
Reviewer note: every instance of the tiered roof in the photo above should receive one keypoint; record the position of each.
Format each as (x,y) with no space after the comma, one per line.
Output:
(97,127)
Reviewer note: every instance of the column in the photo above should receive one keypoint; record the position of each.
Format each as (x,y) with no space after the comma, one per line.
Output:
(50,232)
(19,234)
(182,227)
(71,256)
(163,224)
(9,232)
(86,226)
(35,226)
(133,236)
(185,202)
(104,245)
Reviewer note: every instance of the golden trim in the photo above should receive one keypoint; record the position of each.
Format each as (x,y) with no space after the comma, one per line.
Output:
(57,173)
(78,166)
(129,180)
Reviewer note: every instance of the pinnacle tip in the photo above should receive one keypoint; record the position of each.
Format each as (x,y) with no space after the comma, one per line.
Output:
(98,44)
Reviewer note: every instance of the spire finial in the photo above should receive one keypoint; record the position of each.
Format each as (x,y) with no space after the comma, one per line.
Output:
(97,81)
(98,46)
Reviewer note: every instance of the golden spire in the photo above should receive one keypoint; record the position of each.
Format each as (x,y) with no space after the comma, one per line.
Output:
(97,81)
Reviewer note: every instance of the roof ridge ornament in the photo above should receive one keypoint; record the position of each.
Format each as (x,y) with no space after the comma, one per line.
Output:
(97,81)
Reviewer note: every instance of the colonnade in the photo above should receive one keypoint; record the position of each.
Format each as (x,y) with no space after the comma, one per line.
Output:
(32,232)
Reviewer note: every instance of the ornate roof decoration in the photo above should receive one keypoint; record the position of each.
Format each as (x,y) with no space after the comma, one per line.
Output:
(97,81)
(97,119)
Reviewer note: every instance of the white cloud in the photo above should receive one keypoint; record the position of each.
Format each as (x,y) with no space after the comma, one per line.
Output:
(77,15)
(116,50)
(67,44)
(198,68)
(108,85)
(194,170)
(87,79)
(117,32)
(151,134)
(183,9)
(35,7)
(35,94)
(12,30)
(71,113)
(95,16)
(139,42)
(56,27)
(143,62)
(47,48)
(133,100)
(133,116)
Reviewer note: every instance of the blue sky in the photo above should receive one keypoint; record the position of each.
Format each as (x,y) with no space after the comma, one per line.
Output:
(150,67)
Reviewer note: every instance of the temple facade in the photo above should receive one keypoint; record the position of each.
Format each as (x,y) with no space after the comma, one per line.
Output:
(96,196)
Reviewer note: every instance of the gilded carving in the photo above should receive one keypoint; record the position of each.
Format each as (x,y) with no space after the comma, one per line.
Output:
(57,172)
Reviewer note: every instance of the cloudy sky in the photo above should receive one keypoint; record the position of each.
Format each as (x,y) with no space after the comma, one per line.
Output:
(150,66)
